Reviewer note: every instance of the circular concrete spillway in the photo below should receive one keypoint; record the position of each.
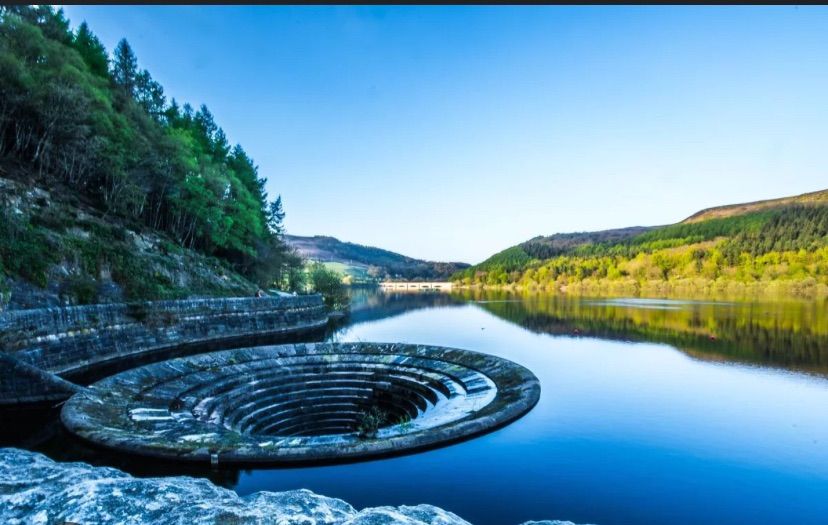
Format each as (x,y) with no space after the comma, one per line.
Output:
(302,403)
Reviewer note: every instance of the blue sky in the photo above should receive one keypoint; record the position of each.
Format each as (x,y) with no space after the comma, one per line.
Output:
(450,133)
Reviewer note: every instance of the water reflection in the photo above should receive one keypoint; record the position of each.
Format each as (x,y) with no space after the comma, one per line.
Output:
(791,335)
(623,433)
(373,304)
(783,334)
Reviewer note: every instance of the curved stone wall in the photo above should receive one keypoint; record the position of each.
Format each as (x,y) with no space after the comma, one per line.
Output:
(302,403)
(74,340)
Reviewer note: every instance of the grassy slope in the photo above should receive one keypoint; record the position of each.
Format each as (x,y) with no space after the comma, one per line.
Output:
(816,197)
(357,272)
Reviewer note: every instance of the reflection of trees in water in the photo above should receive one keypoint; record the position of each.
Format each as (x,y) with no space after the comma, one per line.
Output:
(373,304)
(791,335)
(786,334)
(783,334)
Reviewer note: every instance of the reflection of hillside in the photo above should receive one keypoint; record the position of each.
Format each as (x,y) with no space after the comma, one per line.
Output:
(373,304)
(791,335)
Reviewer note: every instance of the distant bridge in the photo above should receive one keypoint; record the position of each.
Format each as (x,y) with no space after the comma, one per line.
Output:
(391,285)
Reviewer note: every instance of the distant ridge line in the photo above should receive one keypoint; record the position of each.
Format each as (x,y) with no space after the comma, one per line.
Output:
(728,210)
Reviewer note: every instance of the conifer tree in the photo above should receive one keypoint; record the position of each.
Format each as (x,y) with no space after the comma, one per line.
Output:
(125,67)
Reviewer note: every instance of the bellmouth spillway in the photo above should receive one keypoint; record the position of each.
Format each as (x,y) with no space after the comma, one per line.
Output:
(302,403)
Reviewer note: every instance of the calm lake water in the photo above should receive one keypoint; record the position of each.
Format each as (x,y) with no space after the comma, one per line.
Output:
(652,412)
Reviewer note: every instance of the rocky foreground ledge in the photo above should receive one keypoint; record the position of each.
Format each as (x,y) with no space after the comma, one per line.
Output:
(38,491)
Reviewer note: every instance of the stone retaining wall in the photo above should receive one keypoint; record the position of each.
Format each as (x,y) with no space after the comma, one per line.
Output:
(74,340)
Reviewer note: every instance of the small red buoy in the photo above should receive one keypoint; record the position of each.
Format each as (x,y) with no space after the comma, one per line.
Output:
(712,337)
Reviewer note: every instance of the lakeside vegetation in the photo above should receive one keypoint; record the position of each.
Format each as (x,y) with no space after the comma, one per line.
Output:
(782,250)
(119,158)
(327,282)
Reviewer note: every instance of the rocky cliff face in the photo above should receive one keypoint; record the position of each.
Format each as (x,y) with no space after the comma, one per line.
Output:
(38,491)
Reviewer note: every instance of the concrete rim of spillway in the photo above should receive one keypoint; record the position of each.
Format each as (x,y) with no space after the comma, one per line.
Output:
(302,403)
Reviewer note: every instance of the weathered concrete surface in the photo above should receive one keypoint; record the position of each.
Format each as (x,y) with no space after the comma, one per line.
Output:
(25,383)
(34,490)
(301,403)
(74,340)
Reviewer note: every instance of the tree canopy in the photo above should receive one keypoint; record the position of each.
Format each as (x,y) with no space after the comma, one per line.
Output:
(788,243)
(70,114)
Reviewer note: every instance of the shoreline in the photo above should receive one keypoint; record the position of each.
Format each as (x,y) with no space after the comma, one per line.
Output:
(806,289)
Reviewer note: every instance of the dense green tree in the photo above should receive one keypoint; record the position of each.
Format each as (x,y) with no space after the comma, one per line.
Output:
(92,51)
(150,95)
(125,67)
(276,216)
(110,135)
(328,283)
(785,243)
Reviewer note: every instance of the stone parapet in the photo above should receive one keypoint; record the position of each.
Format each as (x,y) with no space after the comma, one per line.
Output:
(74,340)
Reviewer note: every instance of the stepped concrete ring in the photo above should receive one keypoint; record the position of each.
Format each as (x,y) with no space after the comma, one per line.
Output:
(302,403)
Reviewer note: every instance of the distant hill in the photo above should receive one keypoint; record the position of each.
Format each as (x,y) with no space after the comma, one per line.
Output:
(367,263)
(752,247)
(813,198)
(545,247)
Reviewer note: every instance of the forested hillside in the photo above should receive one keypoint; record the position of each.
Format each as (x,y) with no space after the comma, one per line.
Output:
(367,263)
(779,245)
(97,131)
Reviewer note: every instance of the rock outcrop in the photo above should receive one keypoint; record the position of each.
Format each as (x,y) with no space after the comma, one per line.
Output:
(35,490)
